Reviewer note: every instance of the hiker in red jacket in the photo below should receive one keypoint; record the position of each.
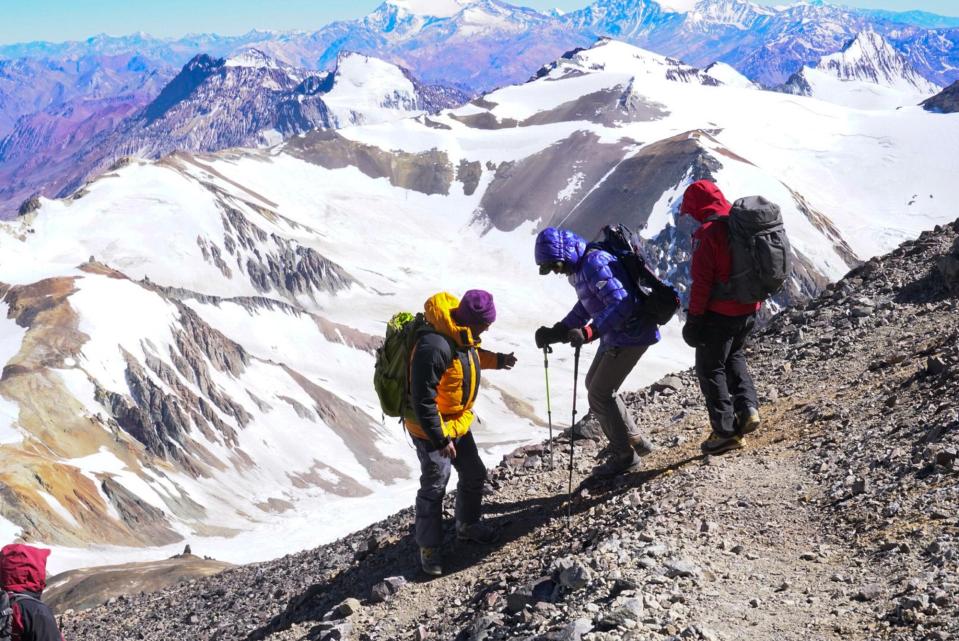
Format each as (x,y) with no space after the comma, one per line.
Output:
(23,576)
(718,327)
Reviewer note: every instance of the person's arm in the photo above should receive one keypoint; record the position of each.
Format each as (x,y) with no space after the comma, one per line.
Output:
(432,356)
(703,274)
(496,360)
(603,282)
(577,317)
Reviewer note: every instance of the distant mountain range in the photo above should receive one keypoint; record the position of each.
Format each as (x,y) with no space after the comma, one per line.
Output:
(249,100)
(69,109)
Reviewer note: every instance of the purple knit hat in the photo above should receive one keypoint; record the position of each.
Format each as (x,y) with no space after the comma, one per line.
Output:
(476,308)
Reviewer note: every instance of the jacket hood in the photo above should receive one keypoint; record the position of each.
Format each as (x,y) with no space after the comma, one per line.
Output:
(23,568)
(703,199)
(554,244)
(438,311)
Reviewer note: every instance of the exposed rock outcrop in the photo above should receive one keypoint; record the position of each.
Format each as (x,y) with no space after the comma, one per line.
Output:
(428,172)
(944,102)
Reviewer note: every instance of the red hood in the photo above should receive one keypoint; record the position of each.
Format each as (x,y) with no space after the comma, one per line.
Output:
(23,568)
(703,199)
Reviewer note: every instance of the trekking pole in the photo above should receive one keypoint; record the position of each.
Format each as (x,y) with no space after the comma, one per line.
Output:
(549,409)
(572,437)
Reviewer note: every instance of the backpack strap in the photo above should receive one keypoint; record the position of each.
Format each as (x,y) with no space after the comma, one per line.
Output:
(22,596)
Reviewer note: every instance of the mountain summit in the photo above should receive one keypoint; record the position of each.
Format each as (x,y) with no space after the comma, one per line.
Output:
(868,73)
(869,57)
(432,8)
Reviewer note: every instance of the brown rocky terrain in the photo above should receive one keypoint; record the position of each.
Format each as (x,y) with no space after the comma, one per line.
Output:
(838,520)
(90,587)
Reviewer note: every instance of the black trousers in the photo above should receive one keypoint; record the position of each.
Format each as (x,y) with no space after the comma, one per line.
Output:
(722,370)
(434,475)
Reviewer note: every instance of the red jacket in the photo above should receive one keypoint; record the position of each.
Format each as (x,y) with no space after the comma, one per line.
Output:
(711,258)
(23,570)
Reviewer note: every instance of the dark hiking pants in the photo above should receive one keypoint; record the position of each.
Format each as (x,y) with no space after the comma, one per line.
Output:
(722,371)
(435,473)
(609,369)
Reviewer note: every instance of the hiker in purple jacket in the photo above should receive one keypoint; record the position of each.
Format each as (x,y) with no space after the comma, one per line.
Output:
(607,309)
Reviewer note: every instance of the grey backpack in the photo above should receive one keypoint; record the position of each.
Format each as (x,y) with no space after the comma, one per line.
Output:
(6,616)
(761,257)
(7,601)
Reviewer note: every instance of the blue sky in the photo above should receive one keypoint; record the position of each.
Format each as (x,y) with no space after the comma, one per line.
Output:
(22,20)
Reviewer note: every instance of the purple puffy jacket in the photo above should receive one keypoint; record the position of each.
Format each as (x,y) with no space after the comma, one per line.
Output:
(600,286)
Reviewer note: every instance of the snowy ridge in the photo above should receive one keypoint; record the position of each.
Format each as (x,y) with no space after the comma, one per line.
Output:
(432,8)
(252,58)
(729,76)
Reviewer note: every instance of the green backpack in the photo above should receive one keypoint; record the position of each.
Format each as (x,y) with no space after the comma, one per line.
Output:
(392,367)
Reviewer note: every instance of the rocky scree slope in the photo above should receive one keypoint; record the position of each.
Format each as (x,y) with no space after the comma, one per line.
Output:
(837,521)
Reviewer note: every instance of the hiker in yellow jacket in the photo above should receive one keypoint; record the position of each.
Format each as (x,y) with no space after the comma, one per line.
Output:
(445,367)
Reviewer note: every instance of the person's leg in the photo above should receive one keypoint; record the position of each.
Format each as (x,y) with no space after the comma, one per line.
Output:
(711,359)
(611,369)
(434,475)
(469,494)
(472,475)
(740,382)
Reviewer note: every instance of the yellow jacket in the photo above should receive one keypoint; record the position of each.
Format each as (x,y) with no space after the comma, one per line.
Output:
(445,367)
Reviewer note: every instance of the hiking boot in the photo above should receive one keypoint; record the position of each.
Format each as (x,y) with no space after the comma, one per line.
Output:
(478,532)
(642,445)
(748,420)
(718,443)
(431,560)
(617,465)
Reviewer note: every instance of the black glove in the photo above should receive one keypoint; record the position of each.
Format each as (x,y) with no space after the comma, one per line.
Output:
(505,361)
(693,330)
(578,336)
(549,335)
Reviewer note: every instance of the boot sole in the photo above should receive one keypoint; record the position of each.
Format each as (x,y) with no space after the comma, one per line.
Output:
(610,475)
(643,451)
(749,428)
(476,542)
(732,445)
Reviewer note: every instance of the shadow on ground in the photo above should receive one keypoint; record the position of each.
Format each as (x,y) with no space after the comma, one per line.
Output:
(516,519)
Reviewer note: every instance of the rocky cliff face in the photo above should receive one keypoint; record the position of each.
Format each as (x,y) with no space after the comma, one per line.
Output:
(837,520)
(946,101)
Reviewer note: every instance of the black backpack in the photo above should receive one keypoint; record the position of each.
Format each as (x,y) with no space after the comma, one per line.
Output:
(761,257)
(660,301)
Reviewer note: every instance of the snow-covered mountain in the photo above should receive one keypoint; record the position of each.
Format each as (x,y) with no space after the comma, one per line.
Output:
(247,100)
(868,73)
(767,44)
(187,345)
(729,76)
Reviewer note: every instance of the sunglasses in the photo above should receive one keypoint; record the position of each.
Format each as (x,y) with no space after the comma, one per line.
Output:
(555,268)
